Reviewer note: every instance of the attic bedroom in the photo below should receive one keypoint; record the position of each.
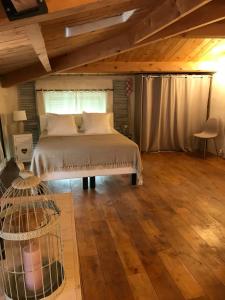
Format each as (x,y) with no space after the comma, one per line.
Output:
(112,131)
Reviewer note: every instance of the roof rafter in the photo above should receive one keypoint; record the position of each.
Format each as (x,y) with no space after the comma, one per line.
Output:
(110,47)
(137,67)
(164,15)
(208,14)
(79,57)
(215,30)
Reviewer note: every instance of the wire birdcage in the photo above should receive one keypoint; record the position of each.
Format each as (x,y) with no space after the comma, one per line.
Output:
(2,188)
(31,253)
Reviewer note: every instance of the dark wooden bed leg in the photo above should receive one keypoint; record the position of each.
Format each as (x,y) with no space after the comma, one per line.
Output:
(2,247)
(85,183)
(134,179)
(92,182)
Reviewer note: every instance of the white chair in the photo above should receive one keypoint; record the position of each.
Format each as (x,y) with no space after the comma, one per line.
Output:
(210,131)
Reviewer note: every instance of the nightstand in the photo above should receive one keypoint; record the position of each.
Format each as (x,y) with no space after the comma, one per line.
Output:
(22,147)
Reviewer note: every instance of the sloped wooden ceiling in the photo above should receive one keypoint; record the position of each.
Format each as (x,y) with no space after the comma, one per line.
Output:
(162,35)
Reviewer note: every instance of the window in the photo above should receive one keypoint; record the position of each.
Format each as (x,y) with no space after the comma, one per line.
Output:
(75,102)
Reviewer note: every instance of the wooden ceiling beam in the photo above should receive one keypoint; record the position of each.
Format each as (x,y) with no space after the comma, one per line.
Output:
(56,9)
(111,47)
(92,53)
(79,57)
(208,14)
(35,71)
(215,30)
(58,5)
(139,67)
(36,39)
(164,15)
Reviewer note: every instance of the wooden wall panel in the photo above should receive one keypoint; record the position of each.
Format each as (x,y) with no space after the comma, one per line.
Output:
(174,49)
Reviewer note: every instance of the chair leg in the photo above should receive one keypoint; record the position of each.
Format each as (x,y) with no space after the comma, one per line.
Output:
(217,153)
(205,147)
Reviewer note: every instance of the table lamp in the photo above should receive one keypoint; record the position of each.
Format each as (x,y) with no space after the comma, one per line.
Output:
(20,116)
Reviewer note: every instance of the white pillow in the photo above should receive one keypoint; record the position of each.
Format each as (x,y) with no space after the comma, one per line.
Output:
(98,123)
(61,125)
(44,120)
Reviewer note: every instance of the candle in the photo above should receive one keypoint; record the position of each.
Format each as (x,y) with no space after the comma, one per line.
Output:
(32,266)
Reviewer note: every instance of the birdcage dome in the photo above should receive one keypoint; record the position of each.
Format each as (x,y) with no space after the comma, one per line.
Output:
(26,209)
(31,244)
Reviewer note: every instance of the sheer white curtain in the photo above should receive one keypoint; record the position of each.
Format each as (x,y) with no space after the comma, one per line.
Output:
(74,102)
(172,108)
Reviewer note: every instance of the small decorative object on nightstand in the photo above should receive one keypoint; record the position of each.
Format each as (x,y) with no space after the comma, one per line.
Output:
(22,146)
(20,116)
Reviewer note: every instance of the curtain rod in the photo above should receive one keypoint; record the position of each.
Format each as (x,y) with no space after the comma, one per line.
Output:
(177,75)
(75,90)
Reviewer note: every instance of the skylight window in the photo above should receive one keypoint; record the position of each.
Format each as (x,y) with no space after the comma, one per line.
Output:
(97,25)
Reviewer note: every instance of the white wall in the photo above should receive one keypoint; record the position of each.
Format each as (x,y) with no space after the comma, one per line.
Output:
(217,109)
(8,103)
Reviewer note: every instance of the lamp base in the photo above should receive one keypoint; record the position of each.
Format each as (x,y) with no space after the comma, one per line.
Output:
(21,127)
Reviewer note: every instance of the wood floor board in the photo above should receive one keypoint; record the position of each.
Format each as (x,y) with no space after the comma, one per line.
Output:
(160,278)
(188,285)
(92,280)
(164,240)
(111,265)
(211,256)
(201,272)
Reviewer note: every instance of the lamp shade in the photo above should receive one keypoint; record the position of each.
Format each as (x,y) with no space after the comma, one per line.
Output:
(19,115)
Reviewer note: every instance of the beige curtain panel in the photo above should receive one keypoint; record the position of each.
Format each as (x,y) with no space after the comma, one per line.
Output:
(169,110)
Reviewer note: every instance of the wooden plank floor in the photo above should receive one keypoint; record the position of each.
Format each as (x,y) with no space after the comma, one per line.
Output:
(164,240)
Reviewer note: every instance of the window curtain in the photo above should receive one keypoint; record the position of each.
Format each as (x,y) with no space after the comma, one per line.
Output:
(169,110)
(74,102)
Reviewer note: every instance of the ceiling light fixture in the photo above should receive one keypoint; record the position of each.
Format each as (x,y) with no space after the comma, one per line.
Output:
(20,9)
(97,25)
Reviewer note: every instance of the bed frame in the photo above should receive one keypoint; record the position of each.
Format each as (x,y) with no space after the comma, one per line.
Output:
(92,181)
(88,176)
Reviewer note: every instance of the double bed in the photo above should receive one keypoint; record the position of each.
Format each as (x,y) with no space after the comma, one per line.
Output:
(86,155)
